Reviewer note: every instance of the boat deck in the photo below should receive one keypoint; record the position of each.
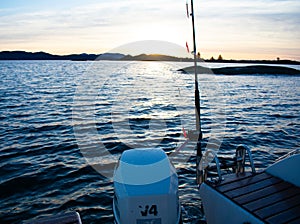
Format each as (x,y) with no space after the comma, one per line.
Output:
(268,198)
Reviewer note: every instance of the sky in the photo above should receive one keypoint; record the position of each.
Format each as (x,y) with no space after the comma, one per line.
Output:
(236,29)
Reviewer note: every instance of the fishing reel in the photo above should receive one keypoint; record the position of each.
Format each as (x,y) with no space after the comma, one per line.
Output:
(194,135)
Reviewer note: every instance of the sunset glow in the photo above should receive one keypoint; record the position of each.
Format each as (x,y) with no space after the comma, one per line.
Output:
(256,29)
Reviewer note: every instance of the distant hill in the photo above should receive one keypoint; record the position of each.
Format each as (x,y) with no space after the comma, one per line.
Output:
(110,56)
(23,55)
(153,57)
(78,57)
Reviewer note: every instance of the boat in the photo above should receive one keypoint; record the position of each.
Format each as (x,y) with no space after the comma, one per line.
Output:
(268,196)
(146,190)
(146,184)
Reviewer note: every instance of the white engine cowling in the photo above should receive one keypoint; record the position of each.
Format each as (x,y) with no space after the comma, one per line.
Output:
(146,188)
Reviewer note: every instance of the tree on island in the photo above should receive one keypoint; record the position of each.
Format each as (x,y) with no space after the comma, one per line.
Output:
(212,58)
(198,55)
(220,58)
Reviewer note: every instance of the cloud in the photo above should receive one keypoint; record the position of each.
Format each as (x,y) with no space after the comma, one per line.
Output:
(248,25)
(76,19)
(95,25)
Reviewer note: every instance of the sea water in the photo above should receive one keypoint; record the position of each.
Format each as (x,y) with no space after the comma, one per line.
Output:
(64,125)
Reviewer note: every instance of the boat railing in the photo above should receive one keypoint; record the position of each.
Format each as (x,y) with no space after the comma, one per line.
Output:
(243,152)
(205,166)
(212,167)
(72,217)
(294,152)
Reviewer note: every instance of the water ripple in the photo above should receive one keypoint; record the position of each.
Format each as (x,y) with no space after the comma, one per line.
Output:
(42,103)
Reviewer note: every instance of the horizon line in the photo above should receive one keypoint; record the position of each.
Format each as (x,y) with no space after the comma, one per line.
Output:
(179,57)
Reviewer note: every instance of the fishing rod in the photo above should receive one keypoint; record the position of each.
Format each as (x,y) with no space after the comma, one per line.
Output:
(197,94)
(198,133)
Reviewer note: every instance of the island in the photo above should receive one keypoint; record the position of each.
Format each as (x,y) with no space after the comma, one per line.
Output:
(23,55)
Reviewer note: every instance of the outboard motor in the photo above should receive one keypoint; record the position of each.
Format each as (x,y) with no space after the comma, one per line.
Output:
(146,188)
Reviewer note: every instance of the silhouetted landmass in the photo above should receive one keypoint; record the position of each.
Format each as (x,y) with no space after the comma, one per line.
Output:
(286,62)
(79,57)
(246,70)
(111,56)
(23,55)
(153,57)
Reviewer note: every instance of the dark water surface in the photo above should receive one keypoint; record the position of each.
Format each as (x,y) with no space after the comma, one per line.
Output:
(59,119)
